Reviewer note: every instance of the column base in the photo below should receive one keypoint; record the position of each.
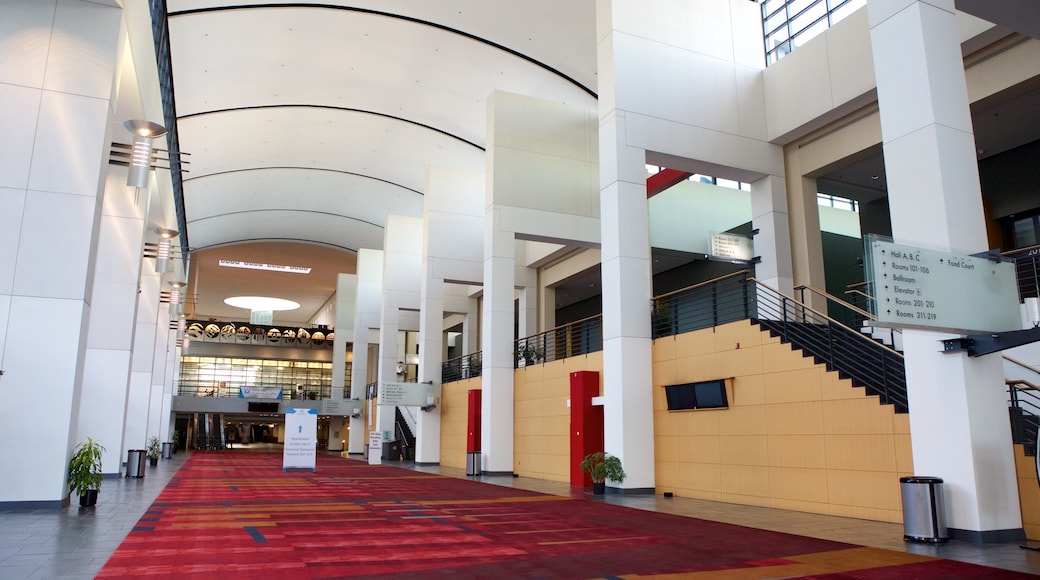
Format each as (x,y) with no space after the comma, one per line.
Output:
(987,536)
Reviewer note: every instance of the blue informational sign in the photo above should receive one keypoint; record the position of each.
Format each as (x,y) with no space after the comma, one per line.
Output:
(301,439)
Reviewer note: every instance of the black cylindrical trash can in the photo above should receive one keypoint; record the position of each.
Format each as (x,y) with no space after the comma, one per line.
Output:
(473,463)
(924,510)
(135,462)
(167,450)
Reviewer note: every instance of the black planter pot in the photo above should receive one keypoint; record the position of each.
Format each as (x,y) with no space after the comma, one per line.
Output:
(153,461)
(88,498)
(599,488)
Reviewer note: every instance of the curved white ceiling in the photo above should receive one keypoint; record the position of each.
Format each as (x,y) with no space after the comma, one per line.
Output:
(314,121)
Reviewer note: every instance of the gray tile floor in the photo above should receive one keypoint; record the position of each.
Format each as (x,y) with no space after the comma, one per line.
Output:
(74,543)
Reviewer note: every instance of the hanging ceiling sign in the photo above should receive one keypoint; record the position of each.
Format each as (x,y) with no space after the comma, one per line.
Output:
(732,247)
(941,291)
(409,394)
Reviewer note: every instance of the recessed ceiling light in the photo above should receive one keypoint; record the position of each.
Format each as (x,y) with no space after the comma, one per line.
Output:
(267,267)
(261,303)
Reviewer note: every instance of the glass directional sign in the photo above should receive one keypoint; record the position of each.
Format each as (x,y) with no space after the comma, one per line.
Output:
(941,291)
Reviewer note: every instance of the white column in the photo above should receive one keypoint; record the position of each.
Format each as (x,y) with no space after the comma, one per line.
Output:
(336,434)
(56,89)
(346,297)
(497,344)
(113,312)
(773,240)
(958,412)
(389,356)
(366,316)
(471,328)
(150,326)
(627,287)
(431,346)
(528,311)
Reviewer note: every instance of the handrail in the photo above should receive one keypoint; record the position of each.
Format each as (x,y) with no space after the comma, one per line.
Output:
(1007,253)
(861,293)
(701,284)
(561,326)
(823,293)
(1021,364)
(1016,382)
(828,318)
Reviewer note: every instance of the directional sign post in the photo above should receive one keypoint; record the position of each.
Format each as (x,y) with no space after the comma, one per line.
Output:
(941,291)
(408,394)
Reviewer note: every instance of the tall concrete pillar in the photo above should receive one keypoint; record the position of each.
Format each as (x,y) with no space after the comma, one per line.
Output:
(958,412)
(431,347)
(56,86)
(627,290)
(497,345)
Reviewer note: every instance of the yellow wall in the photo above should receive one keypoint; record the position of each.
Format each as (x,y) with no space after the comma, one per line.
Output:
(541,427)
(794,437)
(454,420)
(1028,493)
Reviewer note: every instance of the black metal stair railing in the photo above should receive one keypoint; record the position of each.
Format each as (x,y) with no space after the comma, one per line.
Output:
(868,363)
(1024,408)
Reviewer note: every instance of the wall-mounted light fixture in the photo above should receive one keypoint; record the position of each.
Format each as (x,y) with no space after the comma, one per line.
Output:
(173,298)
(161,250)
(141,152)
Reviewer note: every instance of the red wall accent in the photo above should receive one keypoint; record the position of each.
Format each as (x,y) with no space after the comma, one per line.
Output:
(473,422)
(586,423)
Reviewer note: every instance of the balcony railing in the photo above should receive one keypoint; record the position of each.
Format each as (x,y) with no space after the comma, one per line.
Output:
(574,339)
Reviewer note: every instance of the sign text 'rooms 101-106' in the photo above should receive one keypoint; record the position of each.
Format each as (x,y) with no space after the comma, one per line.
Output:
(942,291)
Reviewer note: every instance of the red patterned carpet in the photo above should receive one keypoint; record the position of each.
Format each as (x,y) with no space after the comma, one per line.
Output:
(238,515)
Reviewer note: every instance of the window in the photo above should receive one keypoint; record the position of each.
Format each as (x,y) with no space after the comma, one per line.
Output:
(788,24)
(703,395)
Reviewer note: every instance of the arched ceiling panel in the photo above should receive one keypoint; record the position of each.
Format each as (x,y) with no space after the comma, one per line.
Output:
(562,35)
(286,225)
(350,195)
(361,60)
(393,151)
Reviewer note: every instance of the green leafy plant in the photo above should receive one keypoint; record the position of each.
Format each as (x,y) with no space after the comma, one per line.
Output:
(602,467)
(176,436)
(85,467)
(154,447)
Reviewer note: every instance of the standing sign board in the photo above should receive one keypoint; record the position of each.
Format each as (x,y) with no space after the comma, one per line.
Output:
(375,448)
(301,439)
(941,291)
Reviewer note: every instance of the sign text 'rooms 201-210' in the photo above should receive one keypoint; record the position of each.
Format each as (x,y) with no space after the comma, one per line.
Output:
(933,290)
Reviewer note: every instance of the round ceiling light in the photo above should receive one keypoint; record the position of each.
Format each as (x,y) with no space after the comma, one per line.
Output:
(261,303)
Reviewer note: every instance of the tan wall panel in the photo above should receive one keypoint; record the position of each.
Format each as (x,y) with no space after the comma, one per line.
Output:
(872,452)
(750,390)
(795,418)
(744,450)
(850,416)
(794,386)
(808,451)
(454,421)
(791,433)
(1028,493)
(738,362)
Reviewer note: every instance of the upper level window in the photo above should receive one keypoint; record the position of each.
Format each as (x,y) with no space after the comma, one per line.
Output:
(788,24)
(835,201)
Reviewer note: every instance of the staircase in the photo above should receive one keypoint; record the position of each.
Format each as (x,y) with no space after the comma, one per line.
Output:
(867,362)
(404,431)
(1024,408)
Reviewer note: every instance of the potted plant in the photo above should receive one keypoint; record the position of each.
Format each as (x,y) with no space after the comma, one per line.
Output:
(602,467)
(154,449)
(85,472)
(176,440)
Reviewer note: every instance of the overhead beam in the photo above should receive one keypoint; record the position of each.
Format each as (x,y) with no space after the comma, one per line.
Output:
(664,179)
